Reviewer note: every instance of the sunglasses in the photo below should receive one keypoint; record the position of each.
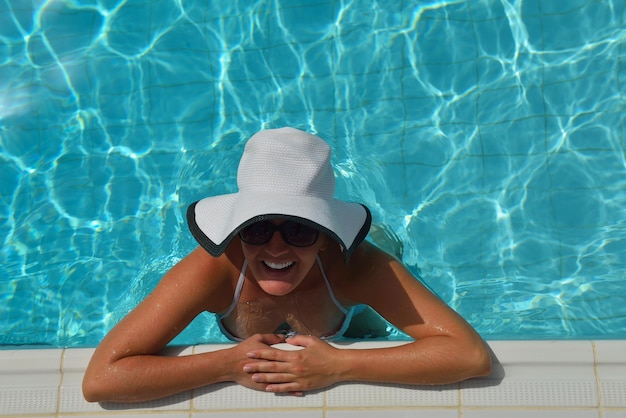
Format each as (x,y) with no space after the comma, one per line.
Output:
(293,233)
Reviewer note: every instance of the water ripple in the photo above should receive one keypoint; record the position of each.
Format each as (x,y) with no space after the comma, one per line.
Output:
(486,137)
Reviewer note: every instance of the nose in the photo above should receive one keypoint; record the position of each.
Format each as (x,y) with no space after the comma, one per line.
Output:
(276,245)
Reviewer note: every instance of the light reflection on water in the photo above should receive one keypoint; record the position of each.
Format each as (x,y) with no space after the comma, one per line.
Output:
(487,137)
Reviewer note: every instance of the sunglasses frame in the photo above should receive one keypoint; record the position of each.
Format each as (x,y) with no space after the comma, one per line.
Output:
(282,229)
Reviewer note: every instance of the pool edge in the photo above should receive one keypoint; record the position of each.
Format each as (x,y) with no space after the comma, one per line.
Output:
(578,378)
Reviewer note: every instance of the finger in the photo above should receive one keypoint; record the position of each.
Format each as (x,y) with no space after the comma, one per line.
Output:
(301,340)
(267,367)
(270,339)
(291,388)
(280,378)
(271,354)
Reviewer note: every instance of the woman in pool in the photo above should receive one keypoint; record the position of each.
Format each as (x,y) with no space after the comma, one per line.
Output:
(282,261)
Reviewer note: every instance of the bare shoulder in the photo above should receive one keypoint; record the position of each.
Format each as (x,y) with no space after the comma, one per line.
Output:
(368,268)
(205,280)
(370,263)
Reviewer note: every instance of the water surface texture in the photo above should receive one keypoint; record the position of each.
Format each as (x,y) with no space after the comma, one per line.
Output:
(486,136)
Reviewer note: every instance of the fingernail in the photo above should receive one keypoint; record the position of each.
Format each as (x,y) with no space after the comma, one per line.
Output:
(247,369)
(251,355)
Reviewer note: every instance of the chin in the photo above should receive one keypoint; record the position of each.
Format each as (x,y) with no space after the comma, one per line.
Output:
(274,288)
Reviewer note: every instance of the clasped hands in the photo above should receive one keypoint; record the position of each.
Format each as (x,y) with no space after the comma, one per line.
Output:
(308,365)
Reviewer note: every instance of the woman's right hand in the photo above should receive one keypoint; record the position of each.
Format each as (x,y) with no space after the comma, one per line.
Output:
(241,350)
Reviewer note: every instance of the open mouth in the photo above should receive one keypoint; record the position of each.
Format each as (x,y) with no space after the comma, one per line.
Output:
(278,266)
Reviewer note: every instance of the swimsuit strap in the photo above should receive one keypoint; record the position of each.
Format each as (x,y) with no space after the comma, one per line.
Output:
(347,312)
(330,289)
(241,280)
(237,290)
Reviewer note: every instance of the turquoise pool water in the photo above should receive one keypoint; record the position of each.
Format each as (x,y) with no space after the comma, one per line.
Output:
(487,137)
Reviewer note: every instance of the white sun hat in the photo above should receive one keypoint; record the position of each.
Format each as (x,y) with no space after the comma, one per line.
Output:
(283,173)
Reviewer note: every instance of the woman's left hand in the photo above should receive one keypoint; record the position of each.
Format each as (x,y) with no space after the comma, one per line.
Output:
(295,371)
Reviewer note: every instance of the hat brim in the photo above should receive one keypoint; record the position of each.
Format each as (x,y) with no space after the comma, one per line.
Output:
(214,221)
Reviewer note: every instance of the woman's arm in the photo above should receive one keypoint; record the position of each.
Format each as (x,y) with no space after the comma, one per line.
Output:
(144,377)
(127,367)
(446,348)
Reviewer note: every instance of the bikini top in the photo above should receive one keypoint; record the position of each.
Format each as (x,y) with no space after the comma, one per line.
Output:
(348,312)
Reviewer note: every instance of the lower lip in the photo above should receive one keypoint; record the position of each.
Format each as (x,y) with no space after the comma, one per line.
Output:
(277,282)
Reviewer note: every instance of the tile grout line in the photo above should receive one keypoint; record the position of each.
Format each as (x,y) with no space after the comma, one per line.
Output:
(61,379)
(598,381)
(460,396)
(192,392)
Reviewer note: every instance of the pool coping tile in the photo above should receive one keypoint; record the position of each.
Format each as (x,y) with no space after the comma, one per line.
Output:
(527,412)
(71,396)
(536,373)
(580,379)
(611,371)
(394,413)
(29,381)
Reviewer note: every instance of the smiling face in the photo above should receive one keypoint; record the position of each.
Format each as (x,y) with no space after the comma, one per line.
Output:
(278,267)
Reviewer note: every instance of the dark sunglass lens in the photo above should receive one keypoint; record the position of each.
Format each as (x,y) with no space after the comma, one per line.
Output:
(299,235)
(257,233)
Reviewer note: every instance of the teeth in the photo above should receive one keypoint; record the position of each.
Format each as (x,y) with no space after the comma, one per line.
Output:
(278,266)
